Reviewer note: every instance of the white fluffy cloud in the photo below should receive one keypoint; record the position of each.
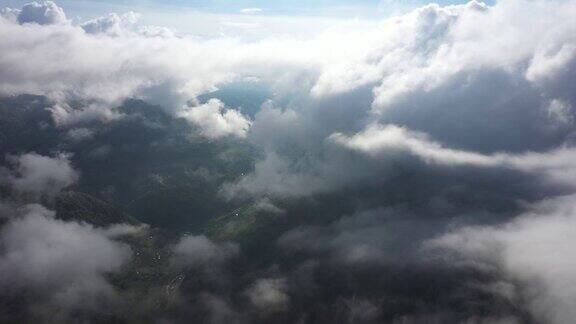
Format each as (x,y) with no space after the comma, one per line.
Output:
(64,115)
(215,121)
(10,14)
(163,70)
(42,13)
(487,97)
(534,251)
(113,24)
(476,91)
(58,264)
(420,49)
(386,142)
(40,176)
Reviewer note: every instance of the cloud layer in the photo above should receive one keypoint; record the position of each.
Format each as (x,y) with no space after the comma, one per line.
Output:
(57,265)
(39,176)
(533,251)
(419,171)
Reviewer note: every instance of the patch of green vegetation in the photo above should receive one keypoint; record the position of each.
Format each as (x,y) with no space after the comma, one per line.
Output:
(86,208)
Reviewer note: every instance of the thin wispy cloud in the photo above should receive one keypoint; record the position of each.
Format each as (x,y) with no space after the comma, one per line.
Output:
(251,11)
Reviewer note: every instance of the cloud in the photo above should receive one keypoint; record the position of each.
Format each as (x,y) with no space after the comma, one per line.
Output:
(534,251)
(352,240)
(10,14)
(42,13)
(375,238)
(219,310)
(113,24)
(7,209)
(429,74)
(40,176)
(57,265)
(215,121)
(80,134)
(199,251)
(156,31)
(147,63)
(143,64)
(251,11)
(389,135)
(125,25)
(378,150)
(64,115)
(385,141)
(269,295)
